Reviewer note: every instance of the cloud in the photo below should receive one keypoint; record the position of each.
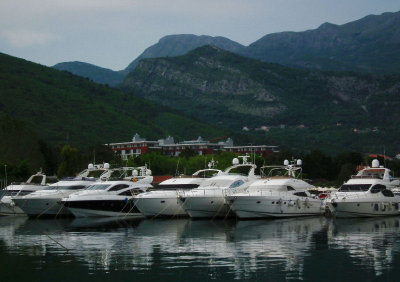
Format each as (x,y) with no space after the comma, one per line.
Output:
(26,38)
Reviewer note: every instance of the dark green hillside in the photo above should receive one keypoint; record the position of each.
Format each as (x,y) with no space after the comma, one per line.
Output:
(60,107)
(300,108)
(95,73)
(18,143)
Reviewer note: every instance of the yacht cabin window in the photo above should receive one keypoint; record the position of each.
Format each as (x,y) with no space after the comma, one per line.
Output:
(71,187)
(118,187)
(378,188)
(354,187)
(237,183)
(301,194)
(387,193)
(98,187)
(177,186)
(131,192)
(290,188)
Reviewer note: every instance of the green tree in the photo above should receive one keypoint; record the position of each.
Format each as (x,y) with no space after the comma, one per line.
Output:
(69,161)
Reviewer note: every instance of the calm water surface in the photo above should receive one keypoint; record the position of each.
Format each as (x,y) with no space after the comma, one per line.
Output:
(316,249)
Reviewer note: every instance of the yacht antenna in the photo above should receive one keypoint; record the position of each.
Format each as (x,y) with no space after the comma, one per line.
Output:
(384,154)
(177,167)
(5,174)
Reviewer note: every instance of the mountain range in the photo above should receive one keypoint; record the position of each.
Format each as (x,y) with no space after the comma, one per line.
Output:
(319,109)
(289,89)
(367,45)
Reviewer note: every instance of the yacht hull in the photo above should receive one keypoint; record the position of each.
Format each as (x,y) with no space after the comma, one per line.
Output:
(41,207)
(160,207)
(262,207)
(363,209)
(205,207)
(99,208)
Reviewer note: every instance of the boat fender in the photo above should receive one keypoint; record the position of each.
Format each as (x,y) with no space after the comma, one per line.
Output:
(280,201)
(126,200)
(291,203)
(396,205)
(298,203)
(307,202)
(383,206)
(134,179)
(281,209)
(376,207)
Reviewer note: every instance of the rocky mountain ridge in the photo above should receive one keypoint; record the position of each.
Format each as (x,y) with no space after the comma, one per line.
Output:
(235,92)
(367,45)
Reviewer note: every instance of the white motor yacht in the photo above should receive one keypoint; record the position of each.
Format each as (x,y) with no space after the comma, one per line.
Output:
(164,202)
(282,195)
(36,182)
(109,198)
(367,194)
(46,202)
(208,200)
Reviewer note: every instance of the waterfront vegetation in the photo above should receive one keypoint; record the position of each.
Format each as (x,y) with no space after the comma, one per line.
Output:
(318,167)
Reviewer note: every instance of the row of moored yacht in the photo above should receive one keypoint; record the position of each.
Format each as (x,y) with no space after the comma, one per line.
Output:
(209,193)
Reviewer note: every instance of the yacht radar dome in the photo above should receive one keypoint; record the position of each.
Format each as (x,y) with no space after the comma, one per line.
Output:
(375,163)
(235,161)
(90,166)
(106,165)
(148,172)
(134,172)
(286,162)
(299,162)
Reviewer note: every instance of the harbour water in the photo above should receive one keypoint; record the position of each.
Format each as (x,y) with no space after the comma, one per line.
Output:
(311,249)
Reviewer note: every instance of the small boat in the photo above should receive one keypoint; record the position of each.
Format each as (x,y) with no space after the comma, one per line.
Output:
(36,182)
(208,200)
(164,202)
(284,195)
(367,194)
(109,198)
(46,202)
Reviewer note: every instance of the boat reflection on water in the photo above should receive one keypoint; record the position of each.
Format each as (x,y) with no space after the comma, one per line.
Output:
(267,243)
(370,242)
(203,249)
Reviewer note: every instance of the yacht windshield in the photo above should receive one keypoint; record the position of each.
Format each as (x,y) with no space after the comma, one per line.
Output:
(98,187)
(95,173)
(354,187)
(37,179)
(237,183)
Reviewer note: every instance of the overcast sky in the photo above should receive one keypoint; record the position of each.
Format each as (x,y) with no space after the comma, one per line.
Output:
(112,33)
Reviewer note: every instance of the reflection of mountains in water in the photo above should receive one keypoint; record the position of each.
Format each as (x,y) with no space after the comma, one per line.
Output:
(369,242)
